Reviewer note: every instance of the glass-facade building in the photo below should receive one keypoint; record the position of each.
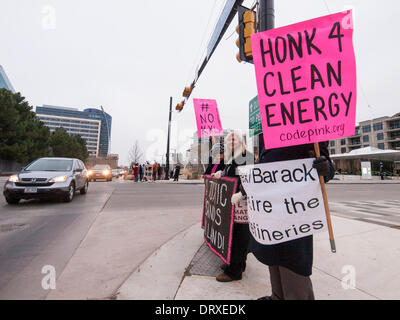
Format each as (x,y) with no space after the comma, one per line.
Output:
(4,81)
(105,131)
(88,124)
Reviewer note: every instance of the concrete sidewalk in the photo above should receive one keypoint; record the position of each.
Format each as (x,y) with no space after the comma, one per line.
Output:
(369,252)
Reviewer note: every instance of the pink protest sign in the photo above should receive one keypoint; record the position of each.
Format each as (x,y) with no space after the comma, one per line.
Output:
(306,81)
(207,118)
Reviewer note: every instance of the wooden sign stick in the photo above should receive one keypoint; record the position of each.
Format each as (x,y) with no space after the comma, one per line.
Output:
(325,196)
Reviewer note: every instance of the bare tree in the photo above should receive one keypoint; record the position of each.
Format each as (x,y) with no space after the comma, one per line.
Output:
(135,153)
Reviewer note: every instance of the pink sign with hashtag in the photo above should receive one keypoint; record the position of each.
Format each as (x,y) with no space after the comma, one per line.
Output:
(207,118)
(306,81)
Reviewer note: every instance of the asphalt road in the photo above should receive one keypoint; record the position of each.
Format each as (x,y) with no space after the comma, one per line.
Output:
(35,234)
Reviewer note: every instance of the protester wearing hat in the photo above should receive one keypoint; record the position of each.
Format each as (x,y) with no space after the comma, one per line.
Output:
(290,263)
(236,155)
(217,160)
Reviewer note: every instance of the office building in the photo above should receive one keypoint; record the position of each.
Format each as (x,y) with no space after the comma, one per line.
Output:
(4,81)
(105,130)
(382,133)
(74,122)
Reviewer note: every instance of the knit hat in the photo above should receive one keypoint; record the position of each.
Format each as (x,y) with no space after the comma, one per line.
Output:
(217,149)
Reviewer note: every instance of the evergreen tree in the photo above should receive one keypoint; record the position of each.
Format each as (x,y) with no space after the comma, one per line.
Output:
(70,146)
(23,137)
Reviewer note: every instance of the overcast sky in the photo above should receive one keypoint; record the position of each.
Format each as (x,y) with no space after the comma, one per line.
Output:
(130,56)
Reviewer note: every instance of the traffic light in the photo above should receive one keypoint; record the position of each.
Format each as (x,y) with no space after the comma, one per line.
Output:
(186,93)
(246,27)
(180,105)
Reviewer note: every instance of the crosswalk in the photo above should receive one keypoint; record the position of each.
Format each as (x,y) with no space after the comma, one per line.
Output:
(382,212)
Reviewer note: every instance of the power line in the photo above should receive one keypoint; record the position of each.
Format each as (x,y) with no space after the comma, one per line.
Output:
(199,51)
(326,5)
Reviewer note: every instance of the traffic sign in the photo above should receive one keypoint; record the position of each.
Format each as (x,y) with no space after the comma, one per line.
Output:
(254,117)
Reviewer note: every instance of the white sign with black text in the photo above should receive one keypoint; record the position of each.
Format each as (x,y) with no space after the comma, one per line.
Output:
(284,200)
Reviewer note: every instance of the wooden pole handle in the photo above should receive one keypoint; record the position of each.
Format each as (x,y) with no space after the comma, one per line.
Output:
(326,204)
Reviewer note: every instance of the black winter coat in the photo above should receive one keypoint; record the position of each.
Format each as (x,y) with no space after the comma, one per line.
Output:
(231,170)
(220,167)
(296,255)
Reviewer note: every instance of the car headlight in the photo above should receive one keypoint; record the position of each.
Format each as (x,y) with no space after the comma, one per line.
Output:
(59,179)
(106,172)
(13,179)
(90,172)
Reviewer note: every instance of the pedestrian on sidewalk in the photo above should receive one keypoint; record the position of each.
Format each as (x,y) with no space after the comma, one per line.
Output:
(236,155)
(136,172)
(155,170)
(290,263)
(160,172)
(141,171)
(148,172)
(131,170)
(177,172)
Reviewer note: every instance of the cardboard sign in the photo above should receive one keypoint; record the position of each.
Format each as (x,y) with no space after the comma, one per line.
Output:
(207,118)
(306,81)
(254,118)
(240,215)
(218,215)
(284,200)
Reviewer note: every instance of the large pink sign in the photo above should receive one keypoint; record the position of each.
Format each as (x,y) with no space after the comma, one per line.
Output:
(306,81)
(207,118)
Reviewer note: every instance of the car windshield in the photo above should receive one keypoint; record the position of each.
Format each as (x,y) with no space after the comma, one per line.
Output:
(99,166)
(50,165)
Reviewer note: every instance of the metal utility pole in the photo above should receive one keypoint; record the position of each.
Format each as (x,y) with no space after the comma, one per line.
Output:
(267,22)
(169,132)
(267,15)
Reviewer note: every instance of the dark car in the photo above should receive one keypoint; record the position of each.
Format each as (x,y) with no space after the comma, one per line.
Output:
(47,178)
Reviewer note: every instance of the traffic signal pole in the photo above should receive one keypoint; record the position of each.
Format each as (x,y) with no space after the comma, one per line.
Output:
(169,133)
(267,22)
(267,15)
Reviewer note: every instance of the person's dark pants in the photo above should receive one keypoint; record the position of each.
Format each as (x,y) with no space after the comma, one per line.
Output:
(141,177)
(154,177)
(288,285)
(159,177)
(136,178)
(176,178)
(239,250)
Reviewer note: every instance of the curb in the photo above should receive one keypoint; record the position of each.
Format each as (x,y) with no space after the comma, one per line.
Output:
(156,278)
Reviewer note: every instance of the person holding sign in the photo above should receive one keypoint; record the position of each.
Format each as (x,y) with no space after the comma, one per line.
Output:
(307,92)
(235,155)
(217,160)
(290,263)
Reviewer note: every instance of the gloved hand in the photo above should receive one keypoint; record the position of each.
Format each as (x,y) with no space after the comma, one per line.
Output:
(236,198)
(321,164)
(217,174)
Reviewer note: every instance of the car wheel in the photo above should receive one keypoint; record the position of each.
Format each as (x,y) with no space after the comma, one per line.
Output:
(84,189)
(70,194)
(12,200)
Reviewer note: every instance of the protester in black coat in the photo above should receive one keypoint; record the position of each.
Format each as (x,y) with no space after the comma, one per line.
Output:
(235,156)
(295,256)
(217,159)
(177,172)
